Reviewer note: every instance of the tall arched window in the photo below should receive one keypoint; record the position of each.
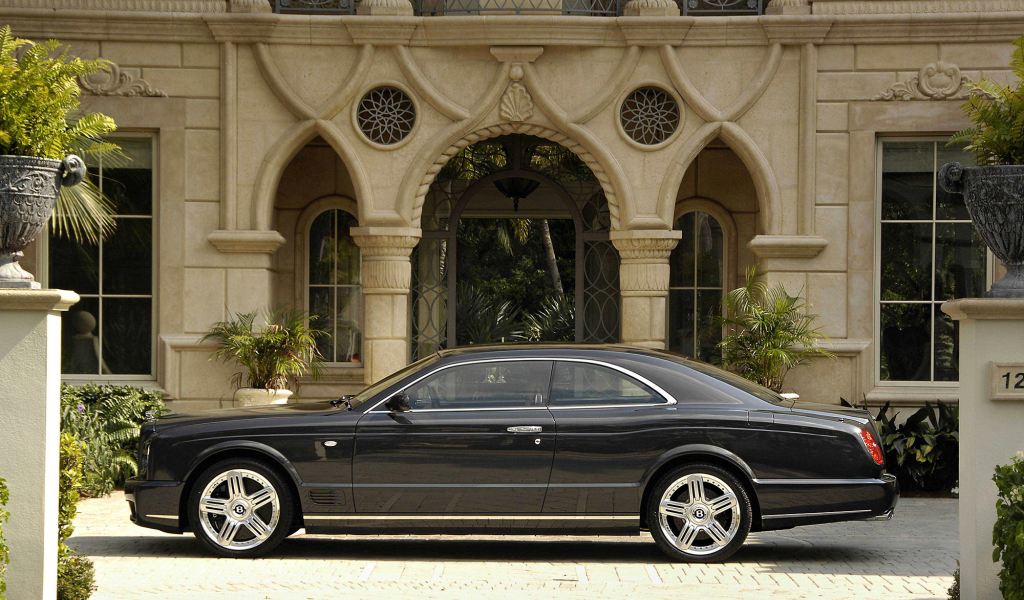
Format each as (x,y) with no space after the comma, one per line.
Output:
(696,286)
(333,294)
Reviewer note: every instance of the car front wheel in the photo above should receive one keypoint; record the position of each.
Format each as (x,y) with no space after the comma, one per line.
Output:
(241,508)
(699,513)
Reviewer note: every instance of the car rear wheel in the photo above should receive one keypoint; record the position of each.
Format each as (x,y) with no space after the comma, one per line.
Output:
(241,508)
(699,513)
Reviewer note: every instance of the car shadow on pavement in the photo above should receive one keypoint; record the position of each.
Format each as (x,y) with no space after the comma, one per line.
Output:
(774,556)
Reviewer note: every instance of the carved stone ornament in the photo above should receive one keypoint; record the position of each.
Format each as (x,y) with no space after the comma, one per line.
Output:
(112,81)
(516,104)
(28,193)
(995,201)
(935,81)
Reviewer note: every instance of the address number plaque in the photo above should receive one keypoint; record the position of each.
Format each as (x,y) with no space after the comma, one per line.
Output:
(1007,381)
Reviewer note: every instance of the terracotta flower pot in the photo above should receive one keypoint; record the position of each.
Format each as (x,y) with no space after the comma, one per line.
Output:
(260,396)
(995,201)
(28,193)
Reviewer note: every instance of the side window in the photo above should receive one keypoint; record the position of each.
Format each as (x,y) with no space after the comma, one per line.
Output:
(484,385)
(583,384)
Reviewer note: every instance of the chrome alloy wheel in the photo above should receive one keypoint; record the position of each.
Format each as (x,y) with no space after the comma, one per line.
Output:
(700,513)
(239,509)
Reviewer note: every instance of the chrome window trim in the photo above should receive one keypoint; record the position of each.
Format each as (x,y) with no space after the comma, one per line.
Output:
(669,399)
(354,517)
(817,514)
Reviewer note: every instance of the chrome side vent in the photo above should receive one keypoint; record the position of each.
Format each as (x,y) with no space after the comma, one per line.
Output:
(326,496)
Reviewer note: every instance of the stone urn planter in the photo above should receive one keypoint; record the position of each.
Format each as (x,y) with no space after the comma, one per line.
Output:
(995,201)
(260,396)
(28,193)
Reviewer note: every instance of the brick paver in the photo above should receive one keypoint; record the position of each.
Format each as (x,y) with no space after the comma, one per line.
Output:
(912,556)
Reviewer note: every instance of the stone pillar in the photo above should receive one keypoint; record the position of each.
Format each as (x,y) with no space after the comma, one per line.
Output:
(643,280)
(386,277)
(30,434)
(991,418)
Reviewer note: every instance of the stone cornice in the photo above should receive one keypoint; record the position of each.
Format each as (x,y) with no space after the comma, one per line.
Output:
(246,241)
(787,246)
(17,299)
(111,23)
(1003,309)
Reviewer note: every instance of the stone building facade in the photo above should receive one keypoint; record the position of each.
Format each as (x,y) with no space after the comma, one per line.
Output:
(804,140)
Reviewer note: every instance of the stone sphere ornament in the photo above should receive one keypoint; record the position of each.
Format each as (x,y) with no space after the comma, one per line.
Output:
(995,200)
(28,193)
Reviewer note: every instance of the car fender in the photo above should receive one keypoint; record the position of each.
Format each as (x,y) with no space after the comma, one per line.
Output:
(696,449)
(228,445)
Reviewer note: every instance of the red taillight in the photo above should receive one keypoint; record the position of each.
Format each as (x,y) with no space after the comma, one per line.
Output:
(872,445)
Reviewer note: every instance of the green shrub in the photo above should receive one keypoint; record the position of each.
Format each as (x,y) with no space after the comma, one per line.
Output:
(106,421)
(954,590)
(75,578)
(555,321)
(286,346)
(40,116)
(997,137)
(771,332)
(75,573)
(923,452)
(1008,532)
(5,553)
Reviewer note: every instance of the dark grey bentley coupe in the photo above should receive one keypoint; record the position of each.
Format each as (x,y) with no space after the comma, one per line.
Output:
(555,439)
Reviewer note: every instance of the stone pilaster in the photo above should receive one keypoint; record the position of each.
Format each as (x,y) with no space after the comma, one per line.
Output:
(643,280)
(386,278)
(30,431)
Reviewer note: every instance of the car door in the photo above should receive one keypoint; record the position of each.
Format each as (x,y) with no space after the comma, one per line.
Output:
(477,440)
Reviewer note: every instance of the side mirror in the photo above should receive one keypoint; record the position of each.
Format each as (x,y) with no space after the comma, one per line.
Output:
(398,403)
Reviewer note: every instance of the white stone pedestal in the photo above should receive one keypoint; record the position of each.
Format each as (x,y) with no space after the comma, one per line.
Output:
(30,435)
(991,431)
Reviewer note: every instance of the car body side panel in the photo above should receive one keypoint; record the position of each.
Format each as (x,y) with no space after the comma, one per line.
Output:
(452,461)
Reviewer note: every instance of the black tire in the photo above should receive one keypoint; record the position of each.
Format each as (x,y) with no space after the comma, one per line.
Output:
(700,515)
(255,476)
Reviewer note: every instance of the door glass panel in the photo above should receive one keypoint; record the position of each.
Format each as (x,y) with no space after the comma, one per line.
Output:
(511,384)
(906,261)
(583,384)
(959,262)
(709,251)
(906,335)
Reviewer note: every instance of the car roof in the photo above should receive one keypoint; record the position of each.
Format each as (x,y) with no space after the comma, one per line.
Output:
(549,348)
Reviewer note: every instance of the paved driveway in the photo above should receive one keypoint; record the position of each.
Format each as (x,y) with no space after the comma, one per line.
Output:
(912,556)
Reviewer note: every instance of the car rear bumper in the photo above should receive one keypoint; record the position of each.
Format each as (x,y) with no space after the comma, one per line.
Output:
(155,504)
(789,503)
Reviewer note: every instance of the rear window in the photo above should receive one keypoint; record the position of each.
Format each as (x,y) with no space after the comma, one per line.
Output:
(736,381)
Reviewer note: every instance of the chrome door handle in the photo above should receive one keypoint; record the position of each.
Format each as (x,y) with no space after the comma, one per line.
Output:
(525,429)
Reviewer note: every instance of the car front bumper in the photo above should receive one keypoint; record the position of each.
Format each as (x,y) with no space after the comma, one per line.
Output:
(155,504)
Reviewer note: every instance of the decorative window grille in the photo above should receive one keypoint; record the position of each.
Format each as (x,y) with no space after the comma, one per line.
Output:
(386,115)
(649,116)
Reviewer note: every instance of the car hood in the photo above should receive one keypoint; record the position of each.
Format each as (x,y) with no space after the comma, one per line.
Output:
(833,411)
(272,411)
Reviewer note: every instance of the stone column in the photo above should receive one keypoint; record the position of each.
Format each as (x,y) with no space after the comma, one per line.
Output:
(991,414)
(30,434)
(643,280)
(386,277)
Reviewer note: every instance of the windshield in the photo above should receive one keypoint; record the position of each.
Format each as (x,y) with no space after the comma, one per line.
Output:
(391,380)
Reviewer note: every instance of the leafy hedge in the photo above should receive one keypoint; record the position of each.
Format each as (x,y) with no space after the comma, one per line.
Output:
(5,554)
(1008,533)
(75,573)
(106,421)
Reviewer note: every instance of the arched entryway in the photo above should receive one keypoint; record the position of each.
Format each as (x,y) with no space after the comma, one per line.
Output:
(718,213)
(515,247)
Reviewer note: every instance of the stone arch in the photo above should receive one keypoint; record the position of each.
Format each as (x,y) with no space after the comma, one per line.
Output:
(285,149)
(526,129)
(768,197)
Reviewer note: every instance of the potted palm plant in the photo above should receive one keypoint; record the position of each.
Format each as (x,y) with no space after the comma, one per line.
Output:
(994,189)
(770,332)
(285,346)
(40,131)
